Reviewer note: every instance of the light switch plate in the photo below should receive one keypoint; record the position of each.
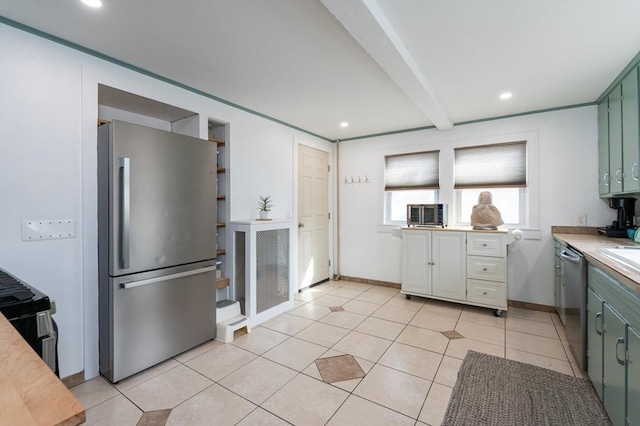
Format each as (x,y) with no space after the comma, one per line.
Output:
(49,229)
(580,219)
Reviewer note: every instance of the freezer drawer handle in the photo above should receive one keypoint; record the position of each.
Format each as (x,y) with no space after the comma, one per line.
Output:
(125,211)
(133,284)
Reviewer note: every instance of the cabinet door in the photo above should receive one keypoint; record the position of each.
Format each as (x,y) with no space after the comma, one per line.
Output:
(556,269)
(630,132)
(615,140)
(449,265)
(614,365)
(594,339)
(416,262)
(633,377)
(603,148)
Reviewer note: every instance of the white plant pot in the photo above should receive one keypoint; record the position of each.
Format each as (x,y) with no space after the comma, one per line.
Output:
(264,215)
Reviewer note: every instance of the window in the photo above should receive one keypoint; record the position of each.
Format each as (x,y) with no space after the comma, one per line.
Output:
(396,203)
(510,202)
(410,179)
(499,168)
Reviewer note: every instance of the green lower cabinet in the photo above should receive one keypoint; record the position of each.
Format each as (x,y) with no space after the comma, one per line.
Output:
(614,372)
(633,377)
(594,340)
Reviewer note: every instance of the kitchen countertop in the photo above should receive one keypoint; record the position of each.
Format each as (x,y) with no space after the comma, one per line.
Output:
(30,393)
(453,228)
(589,243)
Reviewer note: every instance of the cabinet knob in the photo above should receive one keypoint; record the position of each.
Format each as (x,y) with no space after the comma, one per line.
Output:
(484,293)
(300,225)
(484,244)
(484,269)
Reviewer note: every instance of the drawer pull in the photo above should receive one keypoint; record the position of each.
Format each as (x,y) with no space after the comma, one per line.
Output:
(595,326)
(484,293)
(484,244)
(484,269)
(620,340)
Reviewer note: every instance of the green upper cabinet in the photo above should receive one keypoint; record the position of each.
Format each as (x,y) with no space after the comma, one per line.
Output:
(615,139)
(630,132)
(619,137)
(603,148)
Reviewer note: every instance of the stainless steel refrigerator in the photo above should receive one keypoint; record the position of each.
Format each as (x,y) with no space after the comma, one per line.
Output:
(156,246)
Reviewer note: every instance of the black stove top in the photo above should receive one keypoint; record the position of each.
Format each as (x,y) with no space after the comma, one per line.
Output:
(18,298)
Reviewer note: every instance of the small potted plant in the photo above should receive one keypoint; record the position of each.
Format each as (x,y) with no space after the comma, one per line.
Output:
(264,206)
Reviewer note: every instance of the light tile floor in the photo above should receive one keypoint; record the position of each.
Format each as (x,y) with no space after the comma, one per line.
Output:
(269,377)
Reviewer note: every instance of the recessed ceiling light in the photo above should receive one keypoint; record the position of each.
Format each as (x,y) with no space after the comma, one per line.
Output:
(93,3)
(344,124)
(505,95)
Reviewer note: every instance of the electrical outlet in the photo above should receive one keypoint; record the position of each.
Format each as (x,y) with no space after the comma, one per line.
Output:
(580,219)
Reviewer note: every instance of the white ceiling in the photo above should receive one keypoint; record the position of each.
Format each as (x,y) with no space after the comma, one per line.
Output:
(380,65)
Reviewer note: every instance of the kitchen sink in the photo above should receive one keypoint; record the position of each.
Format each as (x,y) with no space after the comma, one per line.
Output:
(628,256)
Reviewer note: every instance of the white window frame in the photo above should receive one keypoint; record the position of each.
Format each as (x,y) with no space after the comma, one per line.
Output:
(387,205)
(446,193)
(522,206)
(530,199)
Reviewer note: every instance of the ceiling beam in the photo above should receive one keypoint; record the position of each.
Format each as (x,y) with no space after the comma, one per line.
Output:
(366,22)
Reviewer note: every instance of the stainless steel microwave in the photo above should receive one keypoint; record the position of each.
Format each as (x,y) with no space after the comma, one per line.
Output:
(427,215)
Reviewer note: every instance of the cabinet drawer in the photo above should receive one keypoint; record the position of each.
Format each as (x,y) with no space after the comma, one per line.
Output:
(486,268)
(486,244)
(487,293)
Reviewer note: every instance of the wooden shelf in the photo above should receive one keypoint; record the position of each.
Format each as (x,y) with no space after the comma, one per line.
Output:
(222,283)
(221,224)
(221,252)
(221,170)
(220,142)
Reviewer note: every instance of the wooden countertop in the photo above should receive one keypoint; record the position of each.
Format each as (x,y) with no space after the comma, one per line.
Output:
(30,393)
(589,244)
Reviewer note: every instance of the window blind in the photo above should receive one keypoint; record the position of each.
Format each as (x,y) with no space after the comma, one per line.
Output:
(491,166)
(418,170)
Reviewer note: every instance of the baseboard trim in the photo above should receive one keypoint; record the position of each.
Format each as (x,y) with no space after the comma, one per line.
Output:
(73,380)
(532,306)
(367,281)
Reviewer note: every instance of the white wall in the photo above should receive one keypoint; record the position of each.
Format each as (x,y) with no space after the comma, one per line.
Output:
(48,113)
(567,184)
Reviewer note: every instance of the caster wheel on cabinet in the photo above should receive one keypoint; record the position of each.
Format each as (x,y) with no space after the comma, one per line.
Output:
(497,312)
(408,296)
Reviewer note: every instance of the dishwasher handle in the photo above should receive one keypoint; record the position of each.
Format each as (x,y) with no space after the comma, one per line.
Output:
(571,256)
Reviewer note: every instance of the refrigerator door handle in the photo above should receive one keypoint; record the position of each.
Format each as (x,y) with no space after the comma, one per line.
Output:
(133,284)
(125,211)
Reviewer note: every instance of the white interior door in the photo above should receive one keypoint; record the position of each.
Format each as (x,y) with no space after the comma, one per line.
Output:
(313,216)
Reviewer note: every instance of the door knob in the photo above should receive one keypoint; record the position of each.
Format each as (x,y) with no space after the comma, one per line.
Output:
(300,225)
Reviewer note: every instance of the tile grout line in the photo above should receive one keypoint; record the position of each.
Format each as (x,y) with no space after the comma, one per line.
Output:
(405,326)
